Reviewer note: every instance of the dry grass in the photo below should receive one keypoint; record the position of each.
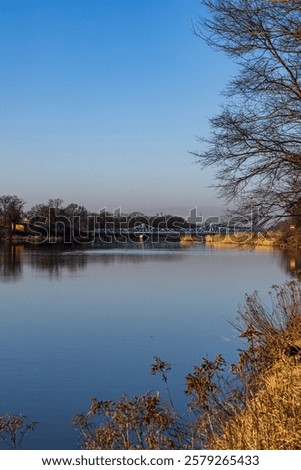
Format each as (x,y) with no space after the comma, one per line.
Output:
(270,372)
(271,419)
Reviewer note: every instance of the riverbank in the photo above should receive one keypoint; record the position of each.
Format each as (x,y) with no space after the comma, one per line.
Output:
(284,239)
(273,239)
(270,372)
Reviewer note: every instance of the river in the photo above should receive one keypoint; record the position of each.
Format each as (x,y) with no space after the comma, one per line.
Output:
(77,324)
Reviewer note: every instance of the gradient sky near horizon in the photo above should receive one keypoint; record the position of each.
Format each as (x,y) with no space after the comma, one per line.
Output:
(101,102)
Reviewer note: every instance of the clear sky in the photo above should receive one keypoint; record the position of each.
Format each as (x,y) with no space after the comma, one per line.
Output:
(101,102)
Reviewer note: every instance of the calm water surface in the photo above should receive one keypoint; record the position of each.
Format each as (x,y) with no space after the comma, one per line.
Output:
(75,324)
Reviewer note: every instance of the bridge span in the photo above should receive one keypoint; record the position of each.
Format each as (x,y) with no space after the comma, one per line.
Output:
(148,230)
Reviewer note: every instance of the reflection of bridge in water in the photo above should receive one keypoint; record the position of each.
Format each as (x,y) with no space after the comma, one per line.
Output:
(143,229)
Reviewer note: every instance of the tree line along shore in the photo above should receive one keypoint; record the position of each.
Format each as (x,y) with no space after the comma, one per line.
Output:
(54,222)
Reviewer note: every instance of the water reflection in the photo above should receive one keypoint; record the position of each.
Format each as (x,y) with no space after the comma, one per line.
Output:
(55,261)
(291,262)
(88,322)
(11,261)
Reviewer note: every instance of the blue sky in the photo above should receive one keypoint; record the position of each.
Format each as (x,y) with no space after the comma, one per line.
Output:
(101,102)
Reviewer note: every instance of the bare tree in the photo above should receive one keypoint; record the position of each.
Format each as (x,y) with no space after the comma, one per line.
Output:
(255,141)
(11,211)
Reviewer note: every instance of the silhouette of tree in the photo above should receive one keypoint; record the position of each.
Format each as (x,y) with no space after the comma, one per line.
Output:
(255,142)
(11,210)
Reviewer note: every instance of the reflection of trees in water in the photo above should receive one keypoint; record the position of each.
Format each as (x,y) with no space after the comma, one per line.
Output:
(54,260)
(56,263)
(57,260)
(11,256)
(290,261)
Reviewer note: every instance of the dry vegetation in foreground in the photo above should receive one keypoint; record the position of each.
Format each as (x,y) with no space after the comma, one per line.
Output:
(270,419)
(270,371)
(254,405)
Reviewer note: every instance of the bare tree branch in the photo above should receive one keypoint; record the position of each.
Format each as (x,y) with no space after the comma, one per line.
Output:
(255,142)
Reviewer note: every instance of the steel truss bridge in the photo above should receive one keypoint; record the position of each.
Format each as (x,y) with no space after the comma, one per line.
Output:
(143,229)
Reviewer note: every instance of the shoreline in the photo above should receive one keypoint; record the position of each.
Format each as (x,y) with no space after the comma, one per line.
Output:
(272,239)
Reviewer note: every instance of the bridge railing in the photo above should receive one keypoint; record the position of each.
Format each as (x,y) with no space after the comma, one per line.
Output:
(144,229)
